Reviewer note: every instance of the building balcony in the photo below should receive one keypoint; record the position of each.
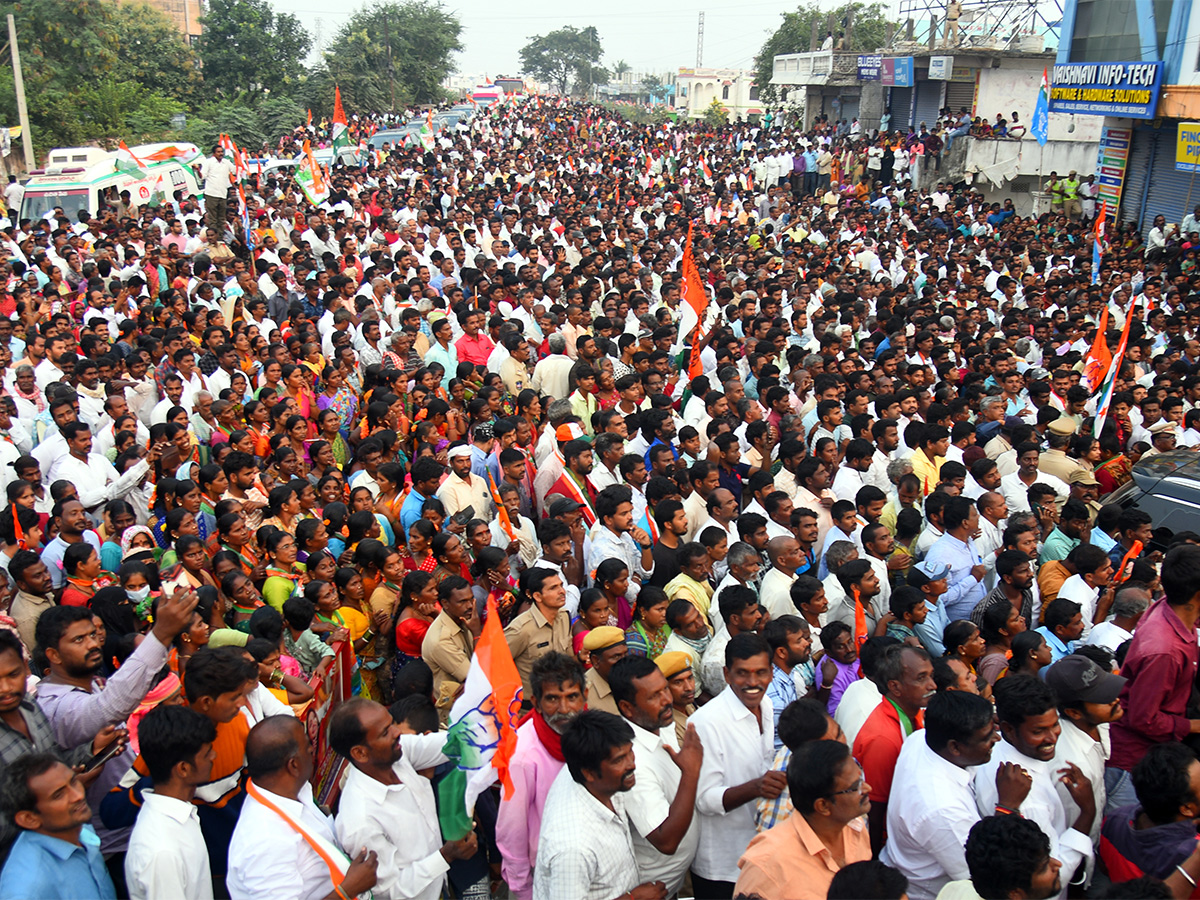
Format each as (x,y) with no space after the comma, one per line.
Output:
(1000,161)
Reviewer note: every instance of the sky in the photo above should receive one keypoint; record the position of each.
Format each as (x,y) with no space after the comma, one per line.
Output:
(654,38)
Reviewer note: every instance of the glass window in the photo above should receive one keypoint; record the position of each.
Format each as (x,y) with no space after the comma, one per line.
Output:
(725,92)
(754,93)
(1107,31)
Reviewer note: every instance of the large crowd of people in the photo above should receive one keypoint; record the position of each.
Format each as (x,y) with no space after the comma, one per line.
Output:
(785,479)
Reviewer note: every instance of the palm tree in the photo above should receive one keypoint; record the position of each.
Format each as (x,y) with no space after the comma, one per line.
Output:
(620,67)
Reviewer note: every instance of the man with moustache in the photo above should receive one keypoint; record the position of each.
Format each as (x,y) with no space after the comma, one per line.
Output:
(662,803)
(798,858)
(737,729)
(1026,708)
(904,677)
(585,851)
(558,697)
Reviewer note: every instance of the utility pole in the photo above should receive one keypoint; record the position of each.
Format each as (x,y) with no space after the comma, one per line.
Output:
(700,41)
(22,109)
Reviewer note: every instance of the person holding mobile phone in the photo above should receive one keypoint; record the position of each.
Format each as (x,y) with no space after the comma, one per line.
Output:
(78,705)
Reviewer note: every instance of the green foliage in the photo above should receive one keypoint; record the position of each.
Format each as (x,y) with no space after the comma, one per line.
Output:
(715,114)
(652,85)
(641,115)
(557,56)
(151,52)
(794,35)
(417,39)
(279,116)
(248,47)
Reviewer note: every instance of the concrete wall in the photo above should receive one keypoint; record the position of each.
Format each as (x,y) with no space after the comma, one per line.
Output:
(1011,88)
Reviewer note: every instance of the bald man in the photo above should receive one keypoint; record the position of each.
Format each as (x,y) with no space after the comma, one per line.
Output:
(775,593)
(268,848)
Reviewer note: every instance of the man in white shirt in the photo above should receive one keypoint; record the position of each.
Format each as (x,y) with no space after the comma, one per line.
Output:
(167,856)
(932,805)
(388,807)
(738,733)
(282,837)
(94,477)
(585,851)
(661,806)
(1087,703)
(1028,716)
(219,174)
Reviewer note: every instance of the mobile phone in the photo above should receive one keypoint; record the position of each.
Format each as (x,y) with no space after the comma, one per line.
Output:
(104,756)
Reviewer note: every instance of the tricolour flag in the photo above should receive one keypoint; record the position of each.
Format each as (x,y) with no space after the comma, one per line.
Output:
(128,163)
(341,130)
(708,175)
(1098,241)
(170,153)
(311,179)
(1039,126)
(483,730)
(239,161)
(1110,380)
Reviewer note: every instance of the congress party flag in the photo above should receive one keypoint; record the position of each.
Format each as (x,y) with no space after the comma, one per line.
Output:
(129,164)
(341,130)
(483,730)
(1110,380)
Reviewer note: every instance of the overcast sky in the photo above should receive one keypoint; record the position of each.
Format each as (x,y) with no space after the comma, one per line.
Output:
(650,37)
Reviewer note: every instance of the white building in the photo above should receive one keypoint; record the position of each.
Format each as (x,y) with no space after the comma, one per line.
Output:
(695,90)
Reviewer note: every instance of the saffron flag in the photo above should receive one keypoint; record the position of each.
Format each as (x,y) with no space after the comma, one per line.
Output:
(1110,380)
(309,123)
(694,305)
(129,164)
(1099,358)
(1039,126)
(1098,241)
(483,730)
(341,130)
(505,521)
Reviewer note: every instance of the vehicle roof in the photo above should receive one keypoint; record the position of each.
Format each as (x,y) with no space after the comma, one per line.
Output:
(1180,466)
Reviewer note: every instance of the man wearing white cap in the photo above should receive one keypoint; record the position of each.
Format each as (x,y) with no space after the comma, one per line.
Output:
(461,489)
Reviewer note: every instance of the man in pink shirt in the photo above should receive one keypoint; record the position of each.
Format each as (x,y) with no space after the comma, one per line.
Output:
(558,697)
(474,346)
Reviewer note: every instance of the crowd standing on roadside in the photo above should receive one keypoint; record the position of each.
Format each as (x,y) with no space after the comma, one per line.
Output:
(783,478)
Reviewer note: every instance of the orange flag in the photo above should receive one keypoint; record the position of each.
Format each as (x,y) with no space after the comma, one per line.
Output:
(1099,358)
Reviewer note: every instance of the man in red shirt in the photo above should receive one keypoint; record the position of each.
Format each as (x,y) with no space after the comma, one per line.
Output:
(1160,669)
(905,678)
(474,346)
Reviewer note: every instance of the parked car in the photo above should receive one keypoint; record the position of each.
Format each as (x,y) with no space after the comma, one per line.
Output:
(1167,487)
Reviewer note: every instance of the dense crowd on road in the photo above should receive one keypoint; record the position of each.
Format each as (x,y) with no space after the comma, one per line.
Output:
(785,480)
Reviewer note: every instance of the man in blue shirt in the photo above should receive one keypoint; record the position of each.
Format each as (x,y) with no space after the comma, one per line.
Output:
(1064,626)
(57,853)
(426,476)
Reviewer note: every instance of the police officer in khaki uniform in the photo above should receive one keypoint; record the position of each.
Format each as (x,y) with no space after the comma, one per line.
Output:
(605,645)
(1055,460)
(544,627)
(449,644)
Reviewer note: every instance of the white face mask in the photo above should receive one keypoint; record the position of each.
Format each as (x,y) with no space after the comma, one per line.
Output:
(139,595)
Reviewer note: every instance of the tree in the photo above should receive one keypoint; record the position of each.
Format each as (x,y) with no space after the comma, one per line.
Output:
(417,39)
(279,115)
(652,85)
(715,114)
(561,54)
(93,70)
(152,53)
(619,68)
(249,49)
(794,35)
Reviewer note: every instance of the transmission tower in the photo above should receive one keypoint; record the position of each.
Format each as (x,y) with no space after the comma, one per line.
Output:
(700,41)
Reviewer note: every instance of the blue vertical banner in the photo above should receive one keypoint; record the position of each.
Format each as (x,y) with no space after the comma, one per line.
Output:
(1040,125)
